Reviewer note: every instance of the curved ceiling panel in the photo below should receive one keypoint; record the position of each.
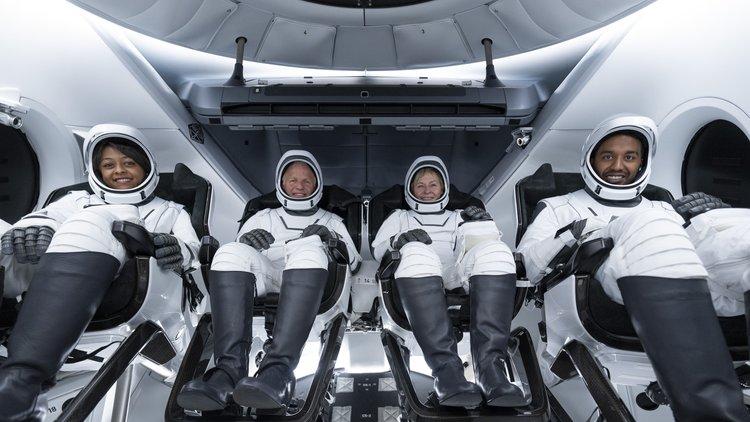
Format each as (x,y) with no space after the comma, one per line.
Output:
(316,34)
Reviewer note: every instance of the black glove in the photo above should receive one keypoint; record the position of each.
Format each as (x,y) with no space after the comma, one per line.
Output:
(322,231)
(414,235)
(697,203)
(258,238)
(28,244)
(167,251)
(474,213)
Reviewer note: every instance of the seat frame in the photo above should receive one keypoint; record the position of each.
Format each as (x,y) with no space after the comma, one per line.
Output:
(331,321)
(521,365)
(576,343)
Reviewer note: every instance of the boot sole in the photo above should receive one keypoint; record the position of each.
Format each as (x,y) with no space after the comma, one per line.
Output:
(462,400)
(195,400)
(255,398)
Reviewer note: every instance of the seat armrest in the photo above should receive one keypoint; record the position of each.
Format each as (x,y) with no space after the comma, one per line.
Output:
(583,259)
(388,265)
(338,250)
(209,246)
(520,267)
(590,255)
(135,238)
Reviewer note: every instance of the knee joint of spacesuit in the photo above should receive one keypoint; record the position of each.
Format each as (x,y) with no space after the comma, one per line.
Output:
(418,260)
(491,258)
(236,256)
(652,243)
(91,231)
(306,253)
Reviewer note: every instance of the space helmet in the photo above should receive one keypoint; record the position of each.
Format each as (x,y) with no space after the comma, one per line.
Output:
(105,132)
(290,202)
(644,129)
(415,203)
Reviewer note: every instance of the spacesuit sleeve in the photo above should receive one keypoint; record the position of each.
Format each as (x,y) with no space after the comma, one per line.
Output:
(540,244)
(189,243)
(54,214)
(382,243)
(354,258)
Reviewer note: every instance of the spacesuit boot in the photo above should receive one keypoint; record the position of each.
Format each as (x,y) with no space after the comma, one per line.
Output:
(677,325)
(492,298)
(299,300)
(63,296)
(231,313)
(424,302)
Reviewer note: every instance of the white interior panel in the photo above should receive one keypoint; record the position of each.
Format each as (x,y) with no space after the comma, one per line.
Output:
(438,41)
(522,28)
(600,11)
(555,17)
(480,23)
(166,16)
(203,24)
(118,9)
(288,42)
(211,14)
(245,21)
(372,47)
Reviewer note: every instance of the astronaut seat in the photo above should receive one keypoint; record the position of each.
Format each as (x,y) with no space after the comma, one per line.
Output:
(417,400)
(327,330)
(589,329)
(141,314)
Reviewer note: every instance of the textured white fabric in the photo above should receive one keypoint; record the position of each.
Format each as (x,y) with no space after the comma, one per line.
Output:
(306,253)
(287,250)
(539,245)
(91,231)
(722,241)
(236,256)
(462,250)
(418,260)
(648,243)
(89,214)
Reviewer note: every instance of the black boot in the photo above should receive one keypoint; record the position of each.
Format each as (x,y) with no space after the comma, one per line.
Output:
(299,300)
(232,295)
(424,302)
(678,328)
(62,298)
(492,299)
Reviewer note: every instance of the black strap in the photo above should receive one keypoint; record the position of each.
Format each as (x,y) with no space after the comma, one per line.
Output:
(77,355)
(191,294)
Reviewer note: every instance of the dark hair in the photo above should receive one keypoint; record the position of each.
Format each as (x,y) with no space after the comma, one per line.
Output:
(126,147)
(627,132)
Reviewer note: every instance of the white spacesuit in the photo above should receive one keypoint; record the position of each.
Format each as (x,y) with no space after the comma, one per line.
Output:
(277,250)
(69,248)
(448,249)
(653,269)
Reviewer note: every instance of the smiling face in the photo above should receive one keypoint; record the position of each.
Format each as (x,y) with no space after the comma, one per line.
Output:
(118,171)
(427,185)
(298,180)
(618,159)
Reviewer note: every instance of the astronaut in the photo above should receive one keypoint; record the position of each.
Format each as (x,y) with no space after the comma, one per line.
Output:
(277,250)
(653,268)
(72,257)
(443,249)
